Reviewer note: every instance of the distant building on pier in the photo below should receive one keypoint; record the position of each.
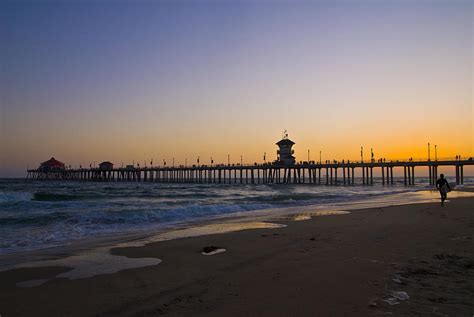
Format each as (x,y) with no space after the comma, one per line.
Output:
(52,165)
(106,166)
(285,153)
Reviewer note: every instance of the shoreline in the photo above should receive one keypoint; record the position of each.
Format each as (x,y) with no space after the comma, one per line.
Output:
(249,220)
(255,245)
(270,215)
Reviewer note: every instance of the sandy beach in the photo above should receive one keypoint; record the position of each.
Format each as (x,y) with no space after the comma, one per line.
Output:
(411,260)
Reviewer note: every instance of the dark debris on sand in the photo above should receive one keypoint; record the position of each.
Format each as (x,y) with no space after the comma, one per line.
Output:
(209,249)
(440,286)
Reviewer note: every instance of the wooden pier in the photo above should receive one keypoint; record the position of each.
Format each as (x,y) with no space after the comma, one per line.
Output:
(337,173)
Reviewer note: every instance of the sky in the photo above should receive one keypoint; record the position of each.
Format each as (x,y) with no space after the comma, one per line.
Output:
(132,81)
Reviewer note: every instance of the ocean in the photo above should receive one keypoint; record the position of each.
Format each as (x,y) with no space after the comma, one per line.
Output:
(37,215)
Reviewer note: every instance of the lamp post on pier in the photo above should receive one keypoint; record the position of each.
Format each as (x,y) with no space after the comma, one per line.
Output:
(429,152)
(228,159)
(362,154)
(436,153)
(308,156)
(320,157)
(240,160)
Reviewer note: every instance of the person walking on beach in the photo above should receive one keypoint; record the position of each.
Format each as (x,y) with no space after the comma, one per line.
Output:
(443,186)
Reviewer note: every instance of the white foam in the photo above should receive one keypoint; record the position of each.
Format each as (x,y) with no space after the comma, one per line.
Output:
(302,216)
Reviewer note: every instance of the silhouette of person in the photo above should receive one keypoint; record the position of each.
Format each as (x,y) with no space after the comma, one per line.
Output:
(443,186)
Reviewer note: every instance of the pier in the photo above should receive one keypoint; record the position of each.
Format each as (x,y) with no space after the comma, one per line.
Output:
(284,170)
(339,173)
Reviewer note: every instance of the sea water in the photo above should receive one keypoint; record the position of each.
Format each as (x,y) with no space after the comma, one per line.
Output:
(43,214)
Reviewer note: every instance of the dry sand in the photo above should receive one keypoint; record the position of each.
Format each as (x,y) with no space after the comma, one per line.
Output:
(336,265)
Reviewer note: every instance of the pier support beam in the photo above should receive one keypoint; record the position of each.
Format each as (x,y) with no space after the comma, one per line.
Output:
(405,175)
(430,174)
(457,175)
(409,175)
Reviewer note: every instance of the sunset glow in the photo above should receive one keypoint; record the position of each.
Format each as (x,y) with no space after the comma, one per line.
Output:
(169,79)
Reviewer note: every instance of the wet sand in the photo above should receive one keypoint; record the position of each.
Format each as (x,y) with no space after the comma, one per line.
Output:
(333,265)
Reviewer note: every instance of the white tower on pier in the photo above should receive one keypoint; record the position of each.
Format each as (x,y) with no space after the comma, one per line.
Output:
(285,153)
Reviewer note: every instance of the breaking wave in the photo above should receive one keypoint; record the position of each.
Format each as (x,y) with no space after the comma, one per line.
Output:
(42,214)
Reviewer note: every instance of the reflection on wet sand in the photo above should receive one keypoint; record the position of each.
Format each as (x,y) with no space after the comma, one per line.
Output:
(100,261)
(310,214)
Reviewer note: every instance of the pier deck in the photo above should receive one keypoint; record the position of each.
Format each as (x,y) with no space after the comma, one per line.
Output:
(268,173)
